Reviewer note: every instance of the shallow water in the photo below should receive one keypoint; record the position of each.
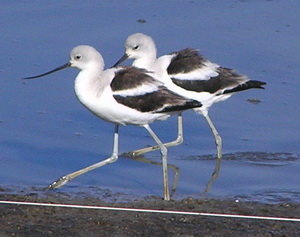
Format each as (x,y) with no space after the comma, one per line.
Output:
(46,133)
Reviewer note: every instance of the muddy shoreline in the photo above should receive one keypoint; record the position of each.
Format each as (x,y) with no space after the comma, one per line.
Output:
(19,220)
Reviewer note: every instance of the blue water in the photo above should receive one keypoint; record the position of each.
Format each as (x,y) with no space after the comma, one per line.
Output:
(46,133)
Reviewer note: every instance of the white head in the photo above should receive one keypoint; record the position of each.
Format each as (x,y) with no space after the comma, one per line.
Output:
(139,45)
(85,56)
(141,48)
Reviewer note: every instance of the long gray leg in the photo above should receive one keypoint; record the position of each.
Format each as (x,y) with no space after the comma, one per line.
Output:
(65,179)
(176,142)
(164,153)
(218,139)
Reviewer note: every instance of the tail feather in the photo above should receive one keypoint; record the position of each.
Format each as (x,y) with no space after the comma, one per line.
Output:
(245,86)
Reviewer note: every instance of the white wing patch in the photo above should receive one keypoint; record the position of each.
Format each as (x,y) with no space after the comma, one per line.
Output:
(149,86)
(205,72)
(143,89)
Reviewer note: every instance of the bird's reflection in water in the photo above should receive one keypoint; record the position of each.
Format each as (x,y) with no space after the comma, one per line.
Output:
(213,178)
(141,158)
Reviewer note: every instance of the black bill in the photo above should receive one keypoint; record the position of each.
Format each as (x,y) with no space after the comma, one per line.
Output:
(52,71)
(124,57)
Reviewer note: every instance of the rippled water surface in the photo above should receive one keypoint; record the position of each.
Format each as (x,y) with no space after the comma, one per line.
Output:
(46,133)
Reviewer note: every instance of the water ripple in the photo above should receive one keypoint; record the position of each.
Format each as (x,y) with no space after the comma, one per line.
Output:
(256,158)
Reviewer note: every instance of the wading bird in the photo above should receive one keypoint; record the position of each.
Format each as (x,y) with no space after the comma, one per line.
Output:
(189,74)
(123,96)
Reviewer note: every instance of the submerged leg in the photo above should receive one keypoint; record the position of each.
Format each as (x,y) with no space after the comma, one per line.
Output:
(218,139)
(164,153)
(176,142)
(65,179)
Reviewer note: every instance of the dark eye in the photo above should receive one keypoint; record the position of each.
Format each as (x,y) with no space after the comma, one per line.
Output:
(78,56)
(136,47)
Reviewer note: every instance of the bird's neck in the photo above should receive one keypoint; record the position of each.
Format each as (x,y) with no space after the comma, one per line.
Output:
(89,84)
(146,62)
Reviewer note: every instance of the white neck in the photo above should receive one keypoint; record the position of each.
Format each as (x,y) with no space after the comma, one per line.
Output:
(144,62)
(89,84)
